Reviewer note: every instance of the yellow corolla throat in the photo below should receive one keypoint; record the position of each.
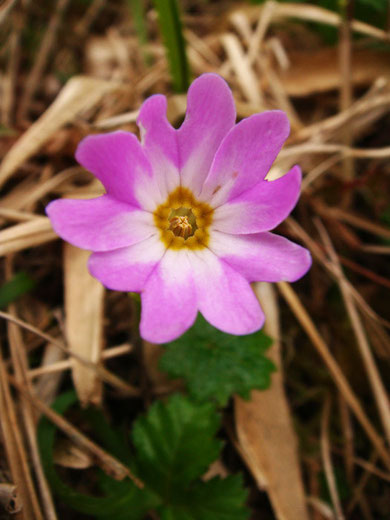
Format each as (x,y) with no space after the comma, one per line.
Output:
(183,221)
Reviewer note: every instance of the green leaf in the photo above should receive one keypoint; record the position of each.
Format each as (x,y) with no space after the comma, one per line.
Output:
(216,365)
(125,501)
(18,285)
(170,27)
(138,11)
(216,499)
(175,444)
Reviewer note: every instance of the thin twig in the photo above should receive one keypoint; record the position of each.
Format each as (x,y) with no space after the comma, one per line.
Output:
(361,338)
(304,319)
(345,64)
(327,460)
(360,487)
(40,63)
(351,218)
(20,366)
(106,375)
(66,364)
(15,450)
(317,252)
(107,462)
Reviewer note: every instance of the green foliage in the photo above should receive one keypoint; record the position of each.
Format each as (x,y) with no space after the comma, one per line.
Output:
(342,485)
(171,433)
(123,497)
(138,11)
(174,445)
(216,365)
(7,132)
(18,285)
(337,5)
(171,30)
(373,12)
(216,499)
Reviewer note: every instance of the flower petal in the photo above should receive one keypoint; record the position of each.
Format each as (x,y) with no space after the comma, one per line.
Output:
(263,257)
(128,268)
(224,297)
(210,116)
(119,162)
(99,224)
(245,156)
(159,141)
(260,208)
(169,299)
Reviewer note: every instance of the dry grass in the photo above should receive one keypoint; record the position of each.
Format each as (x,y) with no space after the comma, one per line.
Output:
(88,74)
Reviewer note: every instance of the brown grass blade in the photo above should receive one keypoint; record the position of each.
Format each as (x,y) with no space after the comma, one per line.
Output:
(27,234)
(46,387)
(327,460)
(350,397)
(80,94)
(5,9)
(314,13)
(265,432)
(107,462)
(245,75)
(84,299)
(103,373)
(59,366)
(15,451)
(43,54)
(304,77)
(20,364)
(373,374)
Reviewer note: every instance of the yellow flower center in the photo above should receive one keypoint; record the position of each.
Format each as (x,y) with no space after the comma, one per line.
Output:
(181,227)
(183,221)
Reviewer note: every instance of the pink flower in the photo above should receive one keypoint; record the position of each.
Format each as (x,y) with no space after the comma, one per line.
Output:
(187,213)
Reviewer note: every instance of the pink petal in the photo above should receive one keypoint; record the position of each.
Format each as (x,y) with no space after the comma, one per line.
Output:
(168,300)
(264,257)
(245,156)
(159,142)
(260,208)
(210,116)
(225,298)
(119,162)
(128,268)
(99,224)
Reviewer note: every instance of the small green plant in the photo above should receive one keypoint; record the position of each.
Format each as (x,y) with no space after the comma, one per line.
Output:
(174,444)
(216,365)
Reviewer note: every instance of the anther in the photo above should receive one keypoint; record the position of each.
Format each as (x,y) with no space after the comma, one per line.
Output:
(180,227)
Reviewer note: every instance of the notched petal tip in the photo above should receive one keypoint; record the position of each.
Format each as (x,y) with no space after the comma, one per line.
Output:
(92,144)
(153,109)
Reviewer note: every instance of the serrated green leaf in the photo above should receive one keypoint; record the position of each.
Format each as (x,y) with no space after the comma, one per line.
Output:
(216,365)
(217,499)
(175,444)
